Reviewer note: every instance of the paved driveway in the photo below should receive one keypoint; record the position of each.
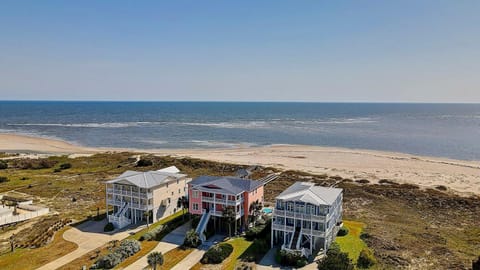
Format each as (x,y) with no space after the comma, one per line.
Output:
(169,242)
(88,236)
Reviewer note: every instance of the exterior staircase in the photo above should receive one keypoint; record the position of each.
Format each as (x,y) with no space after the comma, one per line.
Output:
(296,235)
(202,225)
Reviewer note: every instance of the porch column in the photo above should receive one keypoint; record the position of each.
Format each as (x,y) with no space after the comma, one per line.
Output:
(271,237)
(106,200)
(131,203)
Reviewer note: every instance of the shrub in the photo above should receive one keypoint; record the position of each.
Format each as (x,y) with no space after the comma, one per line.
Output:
(152,234)
(362,181)
(259,231)
(127,248)
(56,170)
(144,163)
(3,179)
(195,221)
(335,260)
(3,165)
(476,264)
(192,239)
(159,232)
(217,253)
(108,227)
(65,166)
(343,231)
(366,259)
(291,258)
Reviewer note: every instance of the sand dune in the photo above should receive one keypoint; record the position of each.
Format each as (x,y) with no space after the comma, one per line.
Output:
(460,176)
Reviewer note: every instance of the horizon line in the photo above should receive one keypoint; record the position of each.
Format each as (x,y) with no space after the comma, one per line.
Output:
(240,101)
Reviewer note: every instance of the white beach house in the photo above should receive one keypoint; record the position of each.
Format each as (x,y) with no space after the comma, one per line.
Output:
(133,194)
(306,218)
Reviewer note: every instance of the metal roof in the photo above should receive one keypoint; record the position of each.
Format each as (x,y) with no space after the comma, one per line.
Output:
(146,179)
(225,184)
(309,193)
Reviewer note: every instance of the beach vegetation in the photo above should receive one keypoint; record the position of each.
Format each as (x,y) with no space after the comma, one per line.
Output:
(228,215)
(127,248)
(192,239)
(65,166)
(217,253)
(155,259)
(3,165)
(291,258)
(336,260)
(3,179)
(343,231)
(366,259)
(108,227)
(144,163)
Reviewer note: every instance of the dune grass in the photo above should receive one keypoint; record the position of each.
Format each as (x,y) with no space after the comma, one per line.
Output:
(24,258)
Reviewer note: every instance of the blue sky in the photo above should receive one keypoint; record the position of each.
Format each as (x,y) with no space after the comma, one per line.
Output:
(367,51)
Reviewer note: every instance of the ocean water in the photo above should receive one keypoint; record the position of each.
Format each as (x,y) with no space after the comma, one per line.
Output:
(445,130)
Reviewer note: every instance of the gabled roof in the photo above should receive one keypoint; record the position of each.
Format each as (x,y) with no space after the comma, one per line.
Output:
(225,184)
(309,193)
(146,179)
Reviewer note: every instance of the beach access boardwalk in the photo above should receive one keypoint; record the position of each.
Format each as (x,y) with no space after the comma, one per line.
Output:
(88,236)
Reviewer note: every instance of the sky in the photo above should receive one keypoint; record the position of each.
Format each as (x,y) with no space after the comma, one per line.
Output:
(325,51)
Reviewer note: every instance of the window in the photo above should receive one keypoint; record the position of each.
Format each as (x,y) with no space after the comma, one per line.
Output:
(167,184)
(179,191)
(168,200)
(195,206)
(177,181)
(195,194)
(172,193)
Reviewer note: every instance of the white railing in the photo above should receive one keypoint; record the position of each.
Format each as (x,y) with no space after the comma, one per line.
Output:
(130,193)
(22,217)
(282,227)
(292,214)
(119,222)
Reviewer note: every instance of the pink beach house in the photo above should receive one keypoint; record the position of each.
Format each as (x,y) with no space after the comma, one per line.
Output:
(210,195)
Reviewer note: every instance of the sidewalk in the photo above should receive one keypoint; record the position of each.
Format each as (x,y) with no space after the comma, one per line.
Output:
(169,242)
(194,257)
(88,236)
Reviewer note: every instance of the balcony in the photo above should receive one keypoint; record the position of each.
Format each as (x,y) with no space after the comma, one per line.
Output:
(148,195)
(313,232)
(221,201)
(283,227)
(220,214)
(291,214)
(131,205)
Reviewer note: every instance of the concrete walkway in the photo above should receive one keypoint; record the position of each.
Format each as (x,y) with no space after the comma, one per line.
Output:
(169,242)
(196,255)
(88,236)
(268,262)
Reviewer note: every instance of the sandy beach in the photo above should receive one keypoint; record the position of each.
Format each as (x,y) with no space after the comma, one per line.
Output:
(459,176)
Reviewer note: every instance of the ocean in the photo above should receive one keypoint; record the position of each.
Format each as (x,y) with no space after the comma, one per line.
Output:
(443,130)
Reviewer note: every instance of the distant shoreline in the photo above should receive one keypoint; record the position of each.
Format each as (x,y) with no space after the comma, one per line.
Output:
(458,175)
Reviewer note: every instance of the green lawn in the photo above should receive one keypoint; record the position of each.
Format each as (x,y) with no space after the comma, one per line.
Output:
(240,245)
(156,224)
(351,243)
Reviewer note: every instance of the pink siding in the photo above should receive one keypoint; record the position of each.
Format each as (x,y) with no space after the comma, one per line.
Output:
(193,200)
(251,197)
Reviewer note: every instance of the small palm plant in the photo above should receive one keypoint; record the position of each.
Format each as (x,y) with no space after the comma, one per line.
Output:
(229,217)
(155,259)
